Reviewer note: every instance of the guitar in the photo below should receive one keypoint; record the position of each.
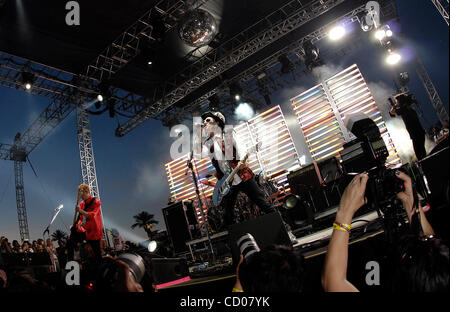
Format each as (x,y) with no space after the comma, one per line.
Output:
(73,229)
(223,186)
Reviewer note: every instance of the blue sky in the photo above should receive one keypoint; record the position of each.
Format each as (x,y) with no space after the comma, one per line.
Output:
(130,170)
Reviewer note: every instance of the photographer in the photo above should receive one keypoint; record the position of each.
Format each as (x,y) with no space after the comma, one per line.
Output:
(428,271)
(403,108)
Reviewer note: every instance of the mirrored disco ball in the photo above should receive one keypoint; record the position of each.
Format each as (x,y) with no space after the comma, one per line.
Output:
(197,28)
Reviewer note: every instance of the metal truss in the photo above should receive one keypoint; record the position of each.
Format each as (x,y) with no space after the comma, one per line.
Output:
(443,9)
(432,92)
(19,156)
(86,149)
(128,44)
(249,41)
(387,11)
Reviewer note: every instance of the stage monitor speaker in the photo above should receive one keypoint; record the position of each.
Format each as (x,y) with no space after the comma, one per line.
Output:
(330,169)
(169,269)
(304,179)
(177,226)
(267,230)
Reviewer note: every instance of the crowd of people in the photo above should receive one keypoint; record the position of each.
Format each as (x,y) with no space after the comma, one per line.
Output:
(420,263)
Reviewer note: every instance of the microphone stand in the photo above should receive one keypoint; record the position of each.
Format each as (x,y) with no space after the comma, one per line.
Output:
(205,220)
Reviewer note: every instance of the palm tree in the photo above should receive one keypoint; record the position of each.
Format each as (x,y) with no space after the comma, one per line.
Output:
(59,236)
(144,220)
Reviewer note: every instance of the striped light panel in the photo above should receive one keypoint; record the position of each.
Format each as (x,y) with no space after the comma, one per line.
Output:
(182,186)
(322,110)
(277,153)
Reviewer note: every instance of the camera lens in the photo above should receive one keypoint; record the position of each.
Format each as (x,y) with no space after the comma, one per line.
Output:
(136,264)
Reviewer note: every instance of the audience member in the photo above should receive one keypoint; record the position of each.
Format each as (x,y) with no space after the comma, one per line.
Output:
(423,265)
(16,247)
(275,269)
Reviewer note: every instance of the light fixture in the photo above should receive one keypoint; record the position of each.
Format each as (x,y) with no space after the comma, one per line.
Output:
(363,22)
(393,58)
(27,80)
(286,64)
(152,246)
(214,102)
(236,91)
(100,98)
(380,34)
(311,55)
(337,32)
(384,31)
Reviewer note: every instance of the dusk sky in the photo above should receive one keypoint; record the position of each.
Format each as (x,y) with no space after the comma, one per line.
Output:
(130,170)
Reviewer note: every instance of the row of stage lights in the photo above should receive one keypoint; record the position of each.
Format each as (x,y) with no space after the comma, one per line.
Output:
(383,34)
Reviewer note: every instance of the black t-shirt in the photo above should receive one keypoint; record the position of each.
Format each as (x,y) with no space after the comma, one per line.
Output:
(411,120)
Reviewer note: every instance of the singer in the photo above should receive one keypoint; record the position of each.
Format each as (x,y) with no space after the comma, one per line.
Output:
(88,226)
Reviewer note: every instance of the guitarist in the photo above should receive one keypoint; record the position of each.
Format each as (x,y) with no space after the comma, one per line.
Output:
(88,225)
(244,181)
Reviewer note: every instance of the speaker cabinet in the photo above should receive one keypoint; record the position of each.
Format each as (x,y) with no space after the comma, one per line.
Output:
(177,226)
(304,179)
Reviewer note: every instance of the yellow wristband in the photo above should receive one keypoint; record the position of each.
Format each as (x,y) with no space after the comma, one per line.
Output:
(237,290)
(340,228)
(344,225)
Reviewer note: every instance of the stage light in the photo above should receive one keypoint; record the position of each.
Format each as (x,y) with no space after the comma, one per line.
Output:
(380,34)
(393,58)
(336,33)
(236,91)
(364,26)
(27,80)
(244,112)
(383,32)
(214,103)
(286,64)
(152,246)
(311,55)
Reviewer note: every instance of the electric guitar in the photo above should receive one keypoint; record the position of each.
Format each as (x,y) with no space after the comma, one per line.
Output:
(73,228)
(223,186)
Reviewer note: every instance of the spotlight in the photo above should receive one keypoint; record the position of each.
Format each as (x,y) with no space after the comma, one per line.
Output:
(148,54)
(299,209)
(152,246)
(104,92)
(383,32)
(380,34)
(336,33)
(393,58)
(236,91)
(100,98)
(27,80)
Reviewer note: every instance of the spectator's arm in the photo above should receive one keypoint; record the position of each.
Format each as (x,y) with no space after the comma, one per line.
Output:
(407,199)
(237,286)
(334,276)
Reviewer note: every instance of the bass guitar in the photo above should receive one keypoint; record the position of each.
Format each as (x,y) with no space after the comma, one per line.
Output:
(223,186)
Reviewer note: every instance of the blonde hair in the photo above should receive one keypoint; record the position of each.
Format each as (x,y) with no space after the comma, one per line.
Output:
(83,188)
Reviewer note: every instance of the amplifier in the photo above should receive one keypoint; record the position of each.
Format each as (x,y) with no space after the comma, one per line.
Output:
(330,169)
(304,179)
(177,226)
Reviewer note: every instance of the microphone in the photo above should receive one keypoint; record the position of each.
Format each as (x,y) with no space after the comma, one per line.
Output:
(189,162)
